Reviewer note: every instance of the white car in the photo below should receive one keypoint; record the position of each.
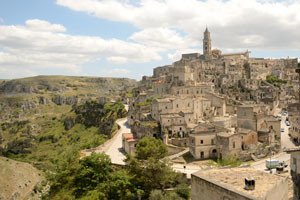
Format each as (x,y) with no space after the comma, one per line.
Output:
(282,130)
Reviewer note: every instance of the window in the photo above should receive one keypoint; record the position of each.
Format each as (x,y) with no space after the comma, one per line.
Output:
(176,105)
(201,141)
(233,145)
(212,141)
(166,107)
(202,154)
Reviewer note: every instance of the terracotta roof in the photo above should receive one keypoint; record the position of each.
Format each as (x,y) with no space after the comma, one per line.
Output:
(128,136)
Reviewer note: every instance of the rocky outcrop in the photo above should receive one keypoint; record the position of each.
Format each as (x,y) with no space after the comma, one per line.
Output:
(18,146)
(69,122)
(146,129)
(43,100)
(60,100)
(28,105)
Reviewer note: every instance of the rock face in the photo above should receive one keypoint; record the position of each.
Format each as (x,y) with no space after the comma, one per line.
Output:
(60,100)
(18,146)
(69,122)
(146,129)
(43,100)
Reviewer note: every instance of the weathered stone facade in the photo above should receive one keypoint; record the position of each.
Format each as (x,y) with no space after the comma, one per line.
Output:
(228,90)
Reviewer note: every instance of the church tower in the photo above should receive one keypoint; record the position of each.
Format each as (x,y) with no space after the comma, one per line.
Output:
(207,44)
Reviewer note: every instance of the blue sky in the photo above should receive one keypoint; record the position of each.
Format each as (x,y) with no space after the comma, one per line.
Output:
(126,38)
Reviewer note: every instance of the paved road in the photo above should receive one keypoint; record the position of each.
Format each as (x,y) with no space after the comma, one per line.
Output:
(114,150)
(112,147)
(186,169)
(286,142)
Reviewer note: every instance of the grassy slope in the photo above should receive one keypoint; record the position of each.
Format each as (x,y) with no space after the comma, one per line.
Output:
(18,179)
(51,145)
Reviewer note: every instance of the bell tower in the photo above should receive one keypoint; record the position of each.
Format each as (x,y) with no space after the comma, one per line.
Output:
(207,44)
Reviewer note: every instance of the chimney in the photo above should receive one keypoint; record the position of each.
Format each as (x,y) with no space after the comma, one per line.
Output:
(249,184)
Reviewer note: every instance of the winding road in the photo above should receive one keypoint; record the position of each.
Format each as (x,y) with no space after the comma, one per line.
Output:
(113,148)
(286,142)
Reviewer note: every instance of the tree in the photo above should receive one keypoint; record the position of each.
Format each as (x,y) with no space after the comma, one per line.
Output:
(149,169)
(150,147)
(93,170)
(183,190)
(160,195)
(119,186)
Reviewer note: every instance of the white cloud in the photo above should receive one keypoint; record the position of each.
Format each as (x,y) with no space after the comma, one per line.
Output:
(115,72)
(255,24)
(41,25)
(39,44)
(162,38)
(177,54)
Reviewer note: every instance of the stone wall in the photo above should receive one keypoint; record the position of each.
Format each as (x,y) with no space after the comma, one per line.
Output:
(210,191)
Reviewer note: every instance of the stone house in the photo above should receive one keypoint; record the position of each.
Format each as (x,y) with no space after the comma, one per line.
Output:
(251,116)
(294,119)
(231,184)
(210,141)
(192,90)
(229,144)
(295,170)
(202,141)
(129,143)
(161,71)
(227,121)
(192,109)
(249,137)
(271,125)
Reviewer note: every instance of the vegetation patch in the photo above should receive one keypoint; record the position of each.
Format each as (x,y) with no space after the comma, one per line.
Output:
(275,80)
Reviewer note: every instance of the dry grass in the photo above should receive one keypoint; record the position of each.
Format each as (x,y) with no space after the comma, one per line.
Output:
(18,179)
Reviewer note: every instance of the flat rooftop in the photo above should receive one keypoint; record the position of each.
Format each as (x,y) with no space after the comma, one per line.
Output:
(234,179)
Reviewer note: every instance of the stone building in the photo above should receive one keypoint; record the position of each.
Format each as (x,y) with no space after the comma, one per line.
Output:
(203,141)
(294,119)
(208,141)
(295,170)
(228,90)
(248,137)
(229,144)
(129,143)
(230,184)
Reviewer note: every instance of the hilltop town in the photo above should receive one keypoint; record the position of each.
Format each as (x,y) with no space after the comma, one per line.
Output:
(216,104)
(219,106)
